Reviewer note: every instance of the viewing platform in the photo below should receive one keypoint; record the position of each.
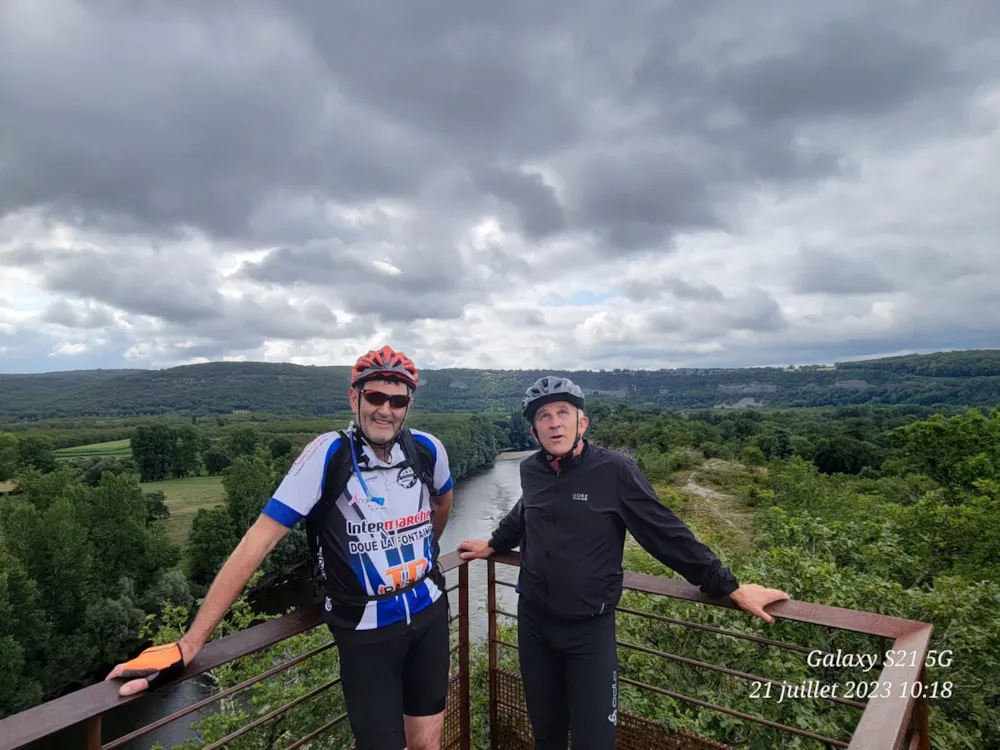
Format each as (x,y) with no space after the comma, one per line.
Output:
(892,718)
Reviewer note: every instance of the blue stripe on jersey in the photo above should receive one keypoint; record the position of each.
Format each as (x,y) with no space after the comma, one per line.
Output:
(429,443)
(371,572)
(447,486)
(281,513)
(358,565)
(392,557)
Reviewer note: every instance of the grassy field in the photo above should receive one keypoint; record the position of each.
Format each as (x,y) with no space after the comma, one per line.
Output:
(184,497)
(114,448)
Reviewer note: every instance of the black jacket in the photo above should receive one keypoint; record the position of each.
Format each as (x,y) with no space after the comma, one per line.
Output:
(571,528)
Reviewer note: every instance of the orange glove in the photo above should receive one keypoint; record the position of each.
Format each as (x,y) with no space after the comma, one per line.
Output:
(158,664)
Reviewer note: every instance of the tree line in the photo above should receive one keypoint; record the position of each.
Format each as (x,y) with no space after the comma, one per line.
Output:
(229,388)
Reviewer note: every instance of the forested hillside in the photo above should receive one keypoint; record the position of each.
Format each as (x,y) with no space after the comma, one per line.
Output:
(864,509)
(967,378)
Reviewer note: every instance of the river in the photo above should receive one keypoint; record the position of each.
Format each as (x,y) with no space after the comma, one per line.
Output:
(480,502)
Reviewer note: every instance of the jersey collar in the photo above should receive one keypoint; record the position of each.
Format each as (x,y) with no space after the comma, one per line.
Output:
(368,459)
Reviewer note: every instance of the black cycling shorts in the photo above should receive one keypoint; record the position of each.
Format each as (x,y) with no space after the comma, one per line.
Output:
(406,673)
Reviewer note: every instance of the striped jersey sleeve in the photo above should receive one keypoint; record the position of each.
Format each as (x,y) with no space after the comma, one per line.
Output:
(442,471)
(302,486)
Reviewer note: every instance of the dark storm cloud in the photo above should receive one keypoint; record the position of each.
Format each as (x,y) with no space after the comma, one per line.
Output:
(822,271)
(645,289)
(841,69)
(538,209)
(31,256)
(753,96)
(252,322)
(664,320)
(481,77)
(880,269)
(160,116)
(755,310)
(76,315)
(522,318)
(640,200)
(182,292)
(429,285)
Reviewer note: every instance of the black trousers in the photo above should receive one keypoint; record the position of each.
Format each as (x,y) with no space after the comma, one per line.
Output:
(570,674)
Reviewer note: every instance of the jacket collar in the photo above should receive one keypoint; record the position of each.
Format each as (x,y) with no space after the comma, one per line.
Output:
(567,464)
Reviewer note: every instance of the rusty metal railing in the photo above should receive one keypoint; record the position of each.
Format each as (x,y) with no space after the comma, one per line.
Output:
(893,719)
(883,723)
(76,718)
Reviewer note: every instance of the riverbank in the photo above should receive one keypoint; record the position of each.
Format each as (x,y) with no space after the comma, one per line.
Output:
(514,455)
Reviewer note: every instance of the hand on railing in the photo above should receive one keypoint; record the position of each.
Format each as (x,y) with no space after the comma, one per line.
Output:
(474,549)
(753,597)
(153,667)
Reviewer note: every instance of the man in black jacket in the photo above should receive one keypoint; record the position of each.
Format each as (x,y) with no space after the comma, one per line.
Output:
(577,502)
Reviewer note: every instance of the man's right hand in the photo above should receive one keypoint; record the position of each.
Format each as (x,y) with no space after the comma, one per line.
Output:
(153,667)
(475,549)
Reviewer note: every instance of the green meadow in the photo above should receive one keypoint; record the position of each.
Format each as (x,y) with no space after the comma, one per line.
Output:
(184,498)
(111,449)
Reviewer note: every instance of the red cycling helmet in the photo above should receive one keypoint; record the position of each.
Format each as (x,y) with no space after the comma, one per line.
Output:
(385,363)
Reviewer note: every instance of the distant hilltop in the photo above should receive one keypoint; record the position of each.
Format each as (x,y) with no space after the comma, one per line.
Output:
(970,377)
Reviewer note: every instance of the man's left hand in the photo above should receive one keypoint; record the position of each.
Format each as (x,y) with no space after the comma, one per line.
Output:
(753,598)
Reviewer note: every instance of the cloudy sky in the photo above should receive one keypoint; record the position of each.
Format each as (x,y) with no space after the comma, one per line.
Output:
(497,184)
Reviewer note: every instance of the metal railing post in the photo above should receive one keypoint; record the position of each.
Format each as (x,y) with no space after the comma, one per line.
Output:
(491,597)
(94,733)
(463,656)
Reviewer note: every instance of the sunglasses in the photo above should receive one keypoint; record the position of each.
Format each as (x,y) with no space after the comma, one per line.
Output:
(377,398)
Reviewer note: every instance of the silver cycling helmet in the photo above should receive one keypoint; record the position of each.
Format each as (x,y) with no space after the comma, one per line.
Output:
(547,389)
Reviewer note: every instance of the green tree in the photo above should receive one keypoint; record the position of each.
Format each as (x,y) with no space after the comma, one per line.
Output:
(24,636)
(247,484)
(153,447)
(242,441)
(10,457)
(215,461)
(280,446)
(186,454)
(210,542)
(955,452)
(752,456)
(843,454)
(520,432)
(156,506)
(94,468)
(36,452)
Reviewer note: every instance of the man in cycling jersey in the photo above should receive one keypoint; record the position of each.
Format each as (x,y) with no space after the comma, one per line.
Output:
(577,502)
(375,545)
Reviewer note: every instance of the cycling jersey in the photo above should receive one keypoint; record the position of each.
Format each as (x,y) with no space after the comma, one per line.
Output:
(367,548)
